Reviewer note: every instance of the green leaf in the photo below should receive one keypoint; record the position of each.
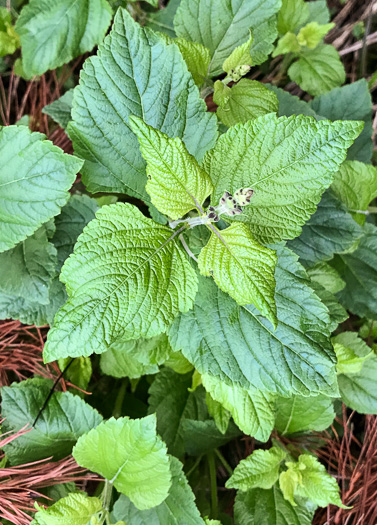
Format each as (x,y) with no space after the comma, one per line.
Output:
(55,31)
(313,33)
(163,19)
(241,267)
(60,109)
(350,102)
(237,345)
(75,215)
(79,372)
(287,44)
(293,14)
(35,177)
(351,352)
(221,35)
(268,507)
(302,414)
(176,182)
(359,391)
(240,56)
(259,470)
(65,418)
(359,271)
(135,358)
(355,184)
(247,100)
(288,162)
(171,400)
(128,453)
(135,73)
(74,509)
(318,70)
(179,363)
(179,507)
(264,37)
(291,105)
(330,230)
(126,278)
(326,276)
(221,415)
(318,12)
(336,311)
(200,437)
(252,410)
(9,39)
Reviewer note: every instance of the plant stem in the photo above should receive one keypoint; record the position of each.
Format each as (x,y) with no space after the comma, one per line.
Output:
(224,462)
(106,500)
(213,481)
(117,412)
(198,460)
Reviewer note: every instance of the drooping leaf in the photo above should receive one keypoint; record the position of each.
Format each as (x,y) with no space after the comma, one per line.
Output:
(302,414)
(238,346)
(35,177)
(259,470)
(330,230)
(293,14)
(60,109)
(135,73)
(65,418)
(221,415)
(279,159)
(359,391)
(130,454)
(178,509)
(247,100)
(318,70)
(194,21)
(74,509)
(200,437)
(351,352)
(171,400)
(327,277)
(241,267)
(55,31)
(176,182)
(252,410)
(313,33)
(268,507)
(126,278)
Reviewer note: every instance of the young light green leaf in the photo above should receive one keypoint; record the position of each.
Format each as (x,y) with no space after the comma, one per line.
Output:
(221,35)
(259,470)
(126,278)
(241,267)
(130,454)
(279,159)
(176,182)
(252,410)
(237,345)
(240,56)
(359,391)
(35,177)
(351,352)
(293,14)
(246,100)
(178,508)
(355,184)
(60,109)
(9,39)
(318,70)
(55,31)
(220,414)
(135,73)
(74,509)
(287,44)
(65,418)
(327,277)
(268,507)
(78,373)
(312,34)
(302,414)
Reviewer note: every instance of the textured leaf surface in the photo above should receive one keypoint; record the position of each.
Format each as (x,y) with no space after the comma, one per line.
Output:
(268,507)
(252,410)
(194,21)
(288,162)
(75,509)
(60,110)
(259,470)
(62,422)
(127,278)
(336,311)
(264,37)
(301,414)
(330,230)
(318,70)
(55,31)
(351,352)
(327,277)
(178,509)
(237,345)
(35,177)
(176,182)
(241,267)
(171,400)
(129,453)
(359,391)
(135,73)
(248,99)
